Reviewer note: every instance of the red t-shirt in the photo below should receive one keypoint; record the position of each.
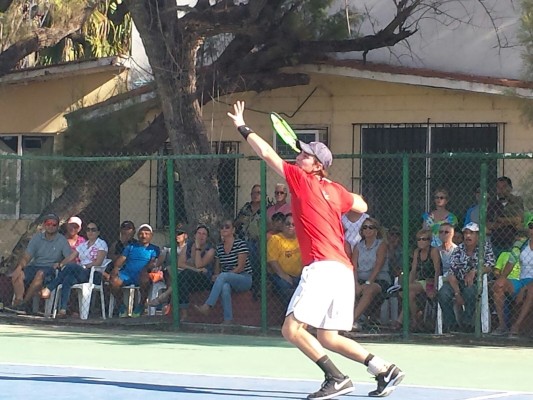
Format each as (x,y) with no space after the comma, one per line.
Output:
(317,206)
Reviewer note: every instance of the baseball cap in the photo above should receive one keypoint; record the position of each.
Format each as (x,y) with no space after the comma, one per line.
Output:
(179,229)
(74,220)
(471,226)
(145,227)
(49,217)
(127,225)
(319,150)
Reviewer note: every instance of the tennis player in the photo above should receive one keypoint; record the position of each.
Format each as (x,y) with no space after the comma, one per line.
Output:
(325,296)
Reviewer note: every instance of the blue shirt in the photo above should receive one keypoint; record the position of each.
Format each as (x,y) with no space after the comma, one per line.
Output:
(138,256)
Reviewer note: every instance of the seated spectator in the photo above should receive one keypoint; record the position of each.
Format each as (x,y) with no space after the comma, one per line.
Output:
(72,230)
(434,219)
(281,205)
(47,251)
(472,214)
(285,260)
(425,270)
(91,253)
(233,272)
(196,267)
(394,251)
(276,224)
(132,267)
(371,268)
(522,252)
(446,234)
(351,222)
(525,300)
(126,237)
(458,237)
(461,285)
(504,216)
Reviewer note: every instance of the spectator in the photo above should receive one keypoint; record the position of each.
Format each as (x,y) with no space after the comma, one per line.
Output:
(457,237)
(351,222)
(521,252)
(433,220)
(276,224)
(394,251)
(525,299)
(195,263)
(232,272)
(371,269)
(472,214)
(504,216)
(132,267)
(126,237)
(425,269)
(73,229)
(461,285)
(281,205)
(247,228)
(446,234)
(47,252)
(91,253)
(284,259)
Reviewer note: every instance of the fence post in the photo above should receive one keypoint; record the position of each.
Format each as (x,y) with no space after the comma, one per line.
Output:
(262,246)
(481,246)
(172,238)
(405,244)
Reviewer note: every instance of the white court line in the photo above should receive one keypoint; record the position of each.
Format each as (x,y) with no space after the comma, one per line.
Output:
(501,393)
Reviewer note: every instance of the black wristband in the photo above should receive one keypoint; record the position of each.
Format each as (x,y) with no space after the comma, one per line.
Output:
(244,131)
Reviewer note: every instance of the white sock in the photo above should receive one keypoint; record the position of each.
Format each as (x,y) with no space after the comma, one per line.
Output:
(377,365)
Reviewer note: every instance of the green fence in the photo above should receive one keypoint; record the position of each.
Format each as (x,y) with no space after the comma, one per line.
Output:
(169,191)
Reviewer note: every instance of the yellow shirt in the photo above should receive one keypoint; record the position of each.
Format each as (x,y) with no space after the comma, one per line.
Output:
(286,252)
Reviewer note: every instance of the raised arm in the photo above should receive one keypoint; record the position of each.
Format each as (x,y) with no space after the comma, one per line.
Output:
(261,148)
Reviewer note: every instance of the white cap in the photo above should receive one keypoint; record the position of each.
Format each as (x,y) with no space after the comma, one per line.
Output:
(145,226)
(74,220)
(471,226)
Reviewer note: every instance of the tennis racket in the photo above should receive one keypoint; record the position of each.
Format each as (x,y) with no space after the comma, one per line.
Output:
(284,131)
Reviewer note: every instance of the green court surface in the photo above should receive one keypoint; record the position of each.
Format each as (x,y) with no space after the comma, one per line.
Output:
(459,366)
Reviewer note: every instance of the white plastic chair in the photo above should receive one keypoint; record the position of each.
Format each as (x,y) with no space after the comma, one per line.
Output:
(129,299)
(48,304)
(155,291)
(85,291)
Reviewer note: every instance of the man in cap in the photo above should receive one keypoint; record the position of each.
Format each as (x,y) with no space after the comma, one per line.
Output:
(461,285)
(325,296)
(46,252)
(132,267)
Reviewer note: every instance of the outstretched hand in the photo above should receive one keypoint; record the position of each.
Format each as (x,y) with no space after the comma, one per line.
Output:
(237,117)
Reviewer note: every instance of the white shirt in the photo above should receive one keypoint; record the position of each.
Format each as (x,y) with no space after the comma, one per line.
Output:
(88,254)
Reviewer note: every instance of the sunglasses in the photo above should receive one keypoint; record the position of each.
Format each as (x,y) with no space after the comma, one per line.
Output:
(371,227)
(440,198)
(423,239)
(530,226)
(278,193)
(226,226)
(444,231)
(91,230)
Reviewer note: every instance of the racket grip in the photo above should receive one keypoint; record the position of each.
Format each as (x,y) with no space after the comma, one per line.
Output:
(244,131)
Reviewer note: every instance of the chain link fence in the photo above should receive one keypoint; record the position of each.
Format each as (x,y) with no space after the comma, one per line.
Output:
(409,197)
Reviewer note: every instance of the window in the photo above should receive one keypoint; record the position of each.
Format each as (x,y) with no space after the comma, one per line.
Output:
(382,178)
(25,185)
(305,135)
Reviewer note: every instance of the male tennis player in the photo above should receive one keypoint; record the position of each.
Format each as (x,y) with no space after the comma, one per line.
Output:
(325,296)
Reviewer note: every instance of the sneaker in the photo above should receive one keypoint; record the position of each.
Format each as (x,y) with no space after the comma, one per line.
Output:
(387,381)
(332,387)
(20,308)
(500,331)
(137,311)
(122,312)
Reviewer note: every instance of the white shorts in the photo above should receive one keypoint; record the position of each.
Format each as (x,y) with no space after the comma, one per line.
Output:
(325,296)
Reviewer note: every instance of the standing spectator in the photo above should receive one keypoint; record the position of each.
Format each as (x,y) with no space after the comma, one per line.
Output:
(285,260)
(504,216)
(132,267)
(432,220)
(461,285)
(351,222)
(47,251)
(233,272)
(522,252)
(370,267)
(247,228)
(281,205)
(91,253)
(446,234)
(472,214)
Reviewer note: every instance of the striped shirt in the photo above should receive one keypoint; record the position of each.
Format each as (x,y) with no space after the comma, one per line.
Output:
(229,261)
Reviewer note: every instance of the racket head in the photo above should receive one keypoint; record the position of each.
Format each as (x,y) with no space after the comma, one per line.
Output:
(284,131)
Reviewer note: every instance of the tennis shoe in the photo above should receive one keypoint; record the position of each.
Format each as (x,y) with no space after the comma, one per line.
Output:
(122,312)
(332,387)
(137,311)
(387,381)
